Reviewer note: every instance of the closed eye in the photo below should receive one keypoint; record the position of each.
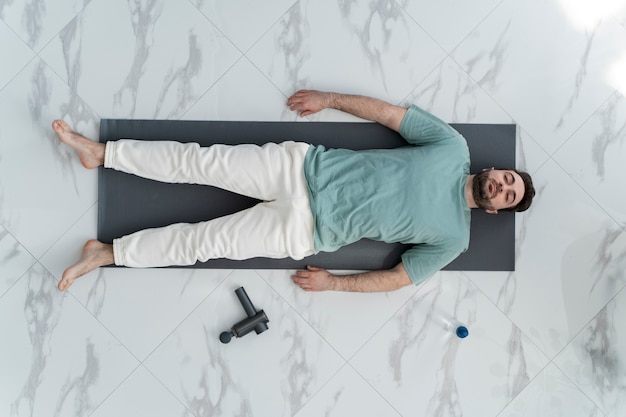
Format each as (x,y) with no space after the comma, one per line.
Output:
(510,179)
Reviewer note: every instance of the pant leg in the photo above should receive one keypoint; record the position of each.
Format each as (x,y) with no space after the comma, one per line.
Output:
(264,172)
(280,227)
(276,229)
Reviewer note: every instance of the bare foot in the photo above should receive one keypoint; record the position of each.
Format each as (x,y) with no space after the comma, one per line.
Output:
(95,254)
(91,153)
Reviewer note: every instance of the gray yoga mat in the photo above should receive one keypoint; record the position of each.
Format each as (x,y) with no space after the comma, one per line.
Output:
(128,203)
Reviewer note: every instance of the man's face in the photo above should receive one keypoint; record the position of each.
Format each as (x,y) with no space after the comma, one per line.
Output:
(497,189)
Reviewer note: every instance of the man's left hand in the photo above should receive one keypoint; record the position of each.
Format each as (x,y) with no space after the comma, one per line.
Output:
(314,279)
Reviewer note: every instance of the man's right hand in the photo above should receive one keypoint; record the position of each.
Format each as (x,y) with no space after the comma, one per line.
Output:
(309,101)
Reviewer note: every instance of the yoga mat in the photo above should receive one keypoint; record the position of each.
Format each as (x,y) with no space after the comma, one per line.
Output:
(128,203)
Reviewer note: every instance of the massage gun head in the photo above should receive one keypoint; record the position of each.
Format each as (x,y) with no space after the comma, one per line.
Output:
(225,337)
(256,320)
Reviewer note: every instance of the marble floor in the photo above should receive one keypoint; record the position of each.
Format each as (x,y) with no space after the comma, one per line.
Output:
(546,340)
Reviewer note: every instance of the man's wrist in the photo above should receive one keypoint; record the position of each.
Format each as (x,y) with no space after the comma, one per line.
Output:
(335,282)
(332,101)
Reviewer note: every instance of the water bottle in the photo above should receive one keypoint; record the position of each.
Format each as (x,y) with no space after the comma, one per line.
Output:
(457,328)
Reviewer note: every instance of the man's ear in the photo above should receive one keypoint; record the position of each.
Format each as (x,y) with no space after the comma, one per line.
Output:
(492,211)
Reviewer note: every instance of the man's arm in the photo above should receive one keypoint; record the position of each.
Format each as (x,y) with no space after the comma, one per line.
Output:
(318,279)
(311,101)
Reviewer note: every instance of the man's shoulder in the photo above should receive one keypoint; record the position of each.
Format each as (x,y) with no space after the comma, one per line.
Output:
(422,127)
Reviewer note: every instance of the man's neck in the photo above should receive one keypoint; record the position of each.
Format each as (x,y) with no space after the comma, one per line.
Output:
(469,195)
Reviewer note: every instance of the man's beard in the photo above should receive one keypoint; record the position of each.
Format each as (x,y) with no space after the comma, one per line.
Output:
(478,191)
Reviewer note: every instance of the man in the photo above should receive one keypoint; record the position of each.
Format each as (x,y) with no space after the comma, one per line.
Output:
(314,199)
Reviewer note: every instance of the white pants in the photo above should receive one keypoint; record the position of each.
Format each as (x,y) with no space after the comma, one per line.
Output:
(278,227)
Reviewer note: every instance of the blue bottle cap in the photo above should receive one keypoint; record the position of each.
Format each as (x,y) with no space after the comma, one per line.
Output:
(462,332)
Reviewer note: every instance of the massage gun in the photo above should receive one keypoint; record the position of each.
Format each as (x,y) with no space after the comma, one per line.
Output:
(255,320)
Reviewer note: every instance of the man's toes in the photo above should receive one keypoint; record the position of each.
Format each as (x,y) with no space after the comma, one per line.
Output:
(60,126)
(63,284)
(57,127)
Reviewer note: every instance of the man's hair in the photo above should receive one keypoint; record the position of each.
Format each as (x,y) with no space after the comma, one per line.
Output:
(529,192)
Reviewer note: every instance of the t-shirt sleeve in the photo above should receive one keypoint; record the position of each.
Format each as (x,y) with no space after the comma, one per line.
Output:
(424,260)
(420,127)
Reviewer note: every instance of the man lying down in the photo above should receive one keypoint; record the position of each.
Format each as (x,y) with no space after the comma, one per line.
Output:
(313,199)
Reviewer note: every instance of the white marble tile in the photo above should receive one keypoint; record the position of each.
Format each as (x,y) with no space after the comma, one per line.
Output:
(450,94)
(243,21)
(569,263)
(550,78)
(243,93)
(423,369)
(14,261)
(529,155)
(551,394)
(271,374)
(345,320)
(66,251)
(448,21)
(377,49)
(594,157)
(595,360)
(12,46)
(161,57)
(56,358)
(347,394)
(585,15)
(140,307)
(615,74)
(36,21)
(43,186)
(620,15)
(141,395)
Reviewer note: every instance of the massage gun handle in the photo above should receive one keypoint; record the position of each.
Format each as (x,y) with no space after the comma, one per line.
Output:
(245,301)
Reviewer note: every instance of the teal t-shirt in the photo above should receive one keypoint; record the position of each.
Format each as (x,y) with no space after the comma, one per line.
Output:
(413,194)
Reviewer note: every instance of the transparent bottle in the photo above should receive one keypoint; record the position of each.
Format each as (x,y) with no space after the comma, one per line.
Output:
(458,328)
